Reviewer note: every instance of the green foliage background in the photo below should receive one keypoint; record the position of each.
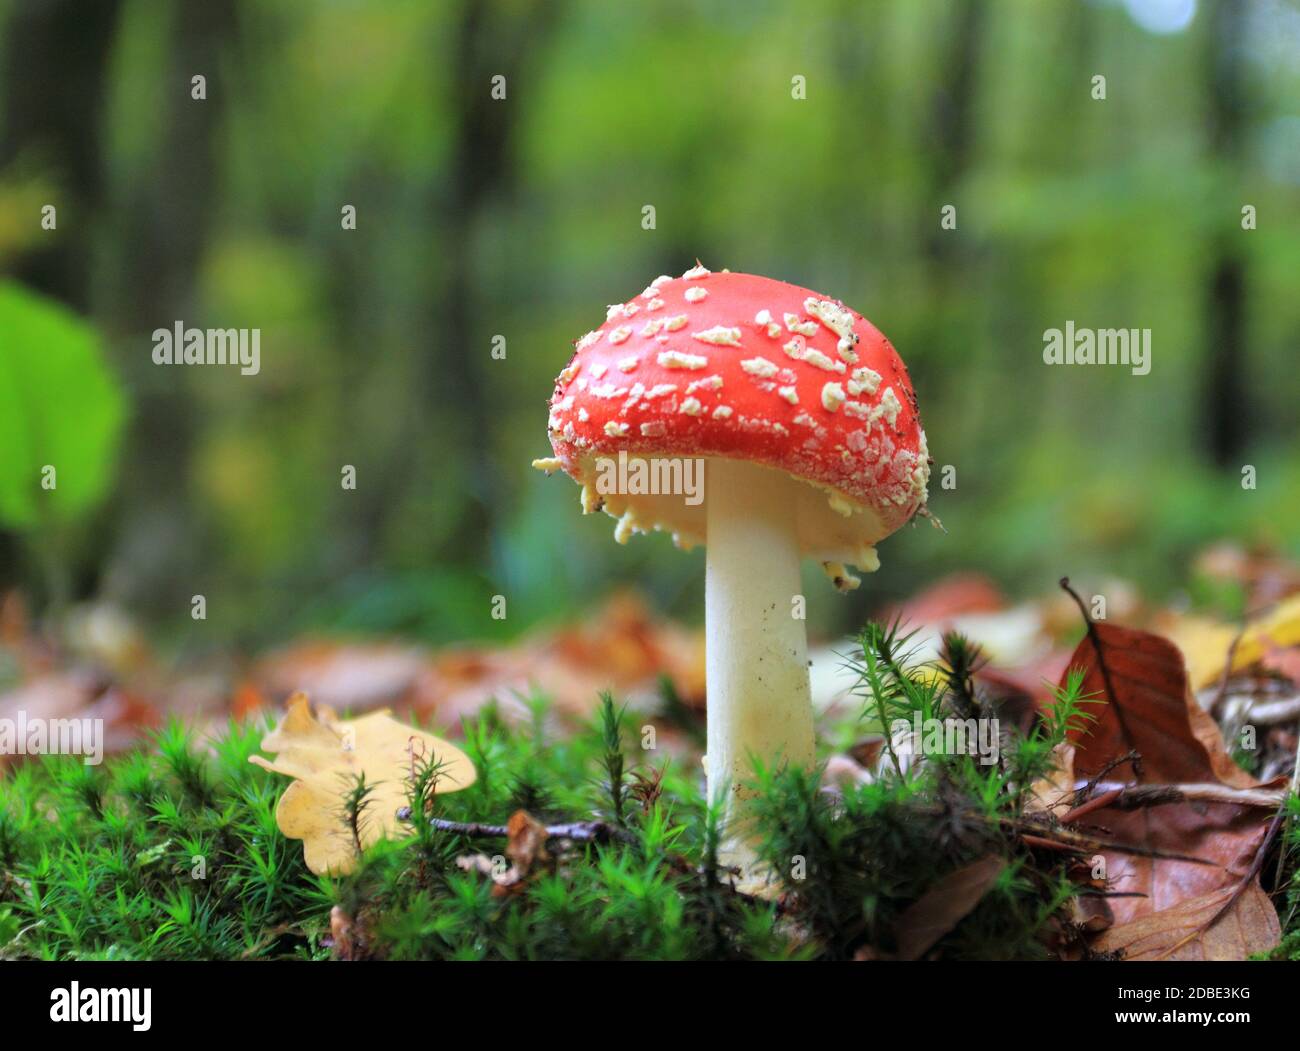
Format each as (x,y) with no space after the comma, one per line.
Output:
(522,218)
(58,406)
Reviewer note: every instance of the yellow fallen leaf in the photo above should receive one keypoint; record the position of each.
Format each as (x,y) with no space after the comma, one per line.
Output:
(1279,628)
(326,755)
(1205,643)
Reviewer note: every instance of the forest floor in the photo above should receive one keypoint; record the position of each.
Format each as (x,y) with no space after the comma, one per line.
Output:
(1134,797)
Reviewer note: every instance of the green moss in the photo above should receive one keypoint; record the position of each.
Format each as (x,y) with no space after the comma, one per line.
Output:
(172,851)
(1288,885)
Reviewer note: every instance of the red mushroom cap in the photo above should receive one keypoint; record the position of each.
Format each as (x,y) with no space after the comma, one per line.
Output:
(748,368)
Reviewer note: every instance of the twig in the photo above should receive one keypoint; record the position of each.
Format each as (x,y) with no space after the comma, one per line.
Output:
(1046,844)
(1133,797)
(599,832)
(1067,839)
(1087,892)
(576,831)
(1271,713)
(1076,842)
(1132,755)
(1282,853)
(1095,803)
(1227,672)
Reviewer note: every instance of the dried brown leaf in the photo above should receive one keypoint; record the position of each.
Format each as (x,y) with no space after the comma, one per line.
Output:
(1180,933)
(948,901)
(1151,710)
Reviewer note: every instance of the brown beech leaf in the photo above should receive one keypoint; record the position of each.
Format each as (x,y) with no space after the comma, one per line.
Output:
(1151,710)
(948,901)
(1180,933)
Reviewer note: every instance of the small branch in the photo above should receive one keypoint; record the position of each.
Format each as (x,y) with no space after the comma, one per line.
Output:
(1131,756)
(1046,844)
(1076,842)
(1067,839)
(1282,851)
(1098,802)
(1134,797)
(1227,672)
(1272,713)
(576,831)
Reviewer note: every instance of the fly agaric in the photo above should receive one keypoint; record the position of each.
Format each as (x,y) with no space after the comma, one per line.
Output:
(804,416)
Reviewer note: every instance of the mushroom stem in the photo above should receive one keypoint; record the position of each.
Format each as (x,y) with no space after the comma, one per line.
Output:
(759,704)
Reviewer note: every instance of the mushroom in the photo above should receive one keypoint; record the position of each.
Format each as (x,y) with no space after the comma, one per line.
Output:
(803,416)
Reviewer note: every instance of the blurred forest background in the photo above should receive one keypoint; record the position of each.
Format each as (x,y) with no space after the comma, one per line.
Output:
(523,217)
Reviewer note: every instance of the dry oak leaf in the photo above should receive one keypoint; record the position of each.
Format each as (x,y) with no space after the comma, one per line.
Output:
(327,754)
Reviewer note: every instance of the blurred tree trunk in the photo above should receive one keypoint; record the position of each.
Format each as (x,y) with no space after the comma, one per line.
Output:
(169,215)
(490,39)
(55,60)
(166,226)
(947,144)
(1224,384)
(952,126)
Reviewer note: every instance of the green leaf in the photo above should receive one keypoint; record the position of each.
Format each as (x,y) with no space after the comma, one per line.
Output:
(59,406)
